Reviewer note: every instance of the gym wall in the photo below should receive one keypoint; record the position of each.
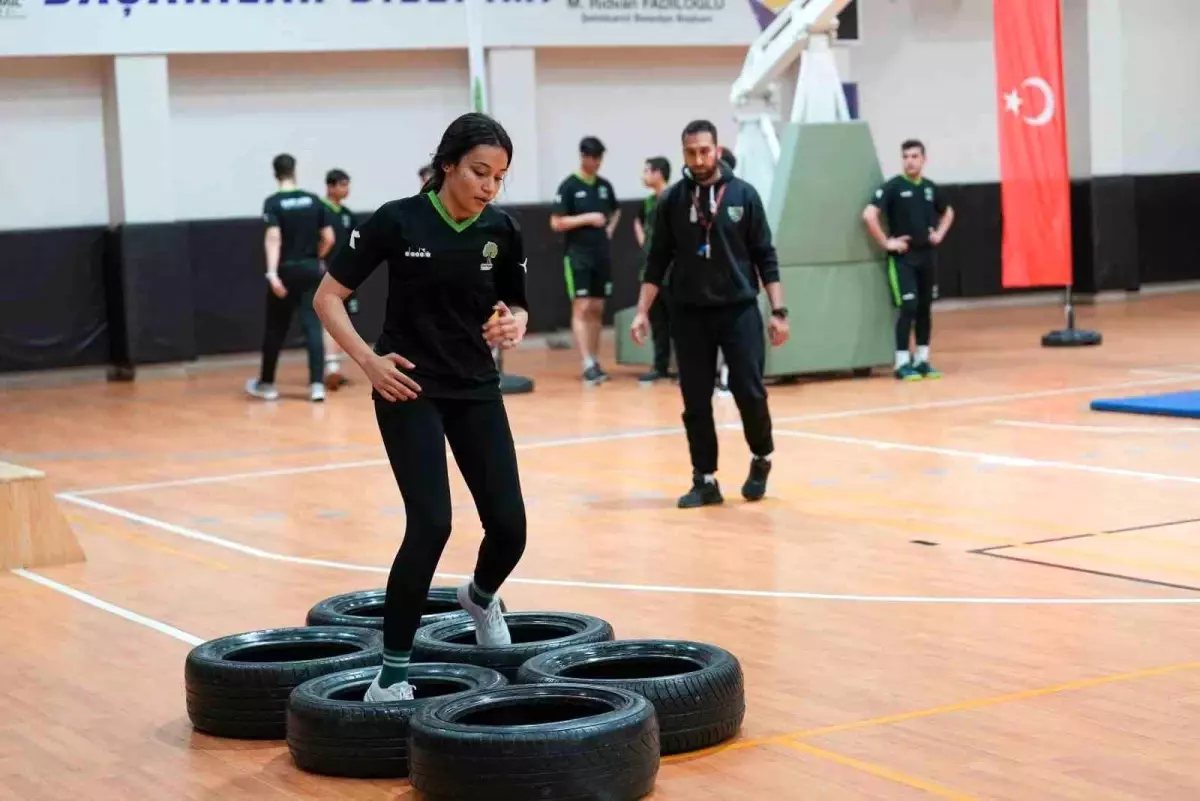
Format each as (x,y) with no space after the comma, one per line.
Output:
(923,68)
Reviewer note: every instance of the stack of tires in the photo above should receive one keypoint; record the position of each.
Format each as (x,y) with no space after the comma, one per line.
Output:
(565,711)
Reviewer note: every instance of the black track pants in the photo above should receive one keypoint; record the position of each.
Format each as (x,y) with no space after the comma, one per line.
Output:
(415,433)
(301,282)
(738,331)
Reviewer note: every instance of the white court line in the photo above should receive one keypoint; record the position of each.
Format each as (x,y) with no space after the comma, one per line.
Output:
(638,434)
(992,458)
(651,588)
(1098,429)
(159,626)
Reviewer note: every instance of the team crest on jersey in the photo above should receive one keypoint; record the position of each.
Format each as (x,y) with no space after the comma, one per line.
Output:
(735,213)
(929,194)
(603,193)
(490,251)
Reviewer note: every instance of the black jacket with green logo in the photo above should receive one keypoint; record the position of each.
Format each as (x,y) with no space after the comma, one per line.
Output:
(741,254)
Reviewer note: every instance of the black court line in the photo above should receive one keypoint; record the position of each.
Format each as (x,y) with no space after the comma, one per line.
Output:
(991,551)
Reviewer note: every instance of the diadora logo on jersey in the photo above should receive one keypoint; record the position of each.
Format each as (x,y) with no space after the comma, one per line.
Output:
(906,193)
(581,193)
(295,202)
(490,251)
(419,253)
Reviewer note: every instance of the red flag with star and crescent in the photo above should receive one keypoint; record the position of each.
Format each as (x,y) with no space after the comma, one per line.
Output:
(1034,181)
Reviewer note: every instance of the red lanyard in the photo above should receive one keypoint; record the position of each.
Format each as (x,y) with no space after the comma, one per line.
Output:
(706,223)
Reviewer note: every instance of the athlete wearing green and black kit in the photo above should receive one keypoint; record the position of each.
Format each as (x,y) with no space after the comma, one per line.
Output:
(656,174)
(299,234)
(917,218)
(588,259)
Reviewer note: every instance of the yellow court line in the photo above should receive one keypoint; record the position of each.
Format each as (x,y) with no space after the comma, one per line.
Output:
(961,706)
(881,771)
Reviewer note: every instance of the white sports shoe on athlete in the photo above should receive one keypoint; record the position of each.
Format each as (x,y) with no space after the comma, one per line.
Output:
(490,627)
(375,694)
(316,392)
(260,390)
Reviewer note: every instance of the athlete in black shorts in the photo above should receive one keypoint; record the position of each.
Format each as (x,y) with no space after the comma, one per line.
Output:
(337,189)
(299,234)
(586,209)
(918,218)
(456,289)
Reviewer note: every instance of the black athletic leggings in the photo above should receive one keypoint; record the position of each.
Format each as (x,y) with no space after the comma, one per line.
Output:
(415,433)
(914,281)
(301,280)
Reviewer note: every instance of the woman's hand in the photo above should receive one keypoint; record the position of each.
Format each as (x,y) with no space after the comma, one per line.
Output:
(387,379)
(505,329)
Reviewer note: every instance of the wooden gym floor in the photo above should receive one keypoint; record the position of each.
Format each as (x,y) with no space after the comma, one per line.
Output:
(973,588)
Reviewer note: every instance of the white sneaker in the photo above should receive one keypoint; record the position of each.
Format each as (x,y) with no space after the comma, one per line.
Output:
(316,392)
(490,627)
(375,694)
(260,390)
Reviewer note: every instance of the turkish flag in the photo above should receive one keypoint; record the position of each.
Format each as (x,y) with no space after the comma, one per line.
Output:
(1034,182)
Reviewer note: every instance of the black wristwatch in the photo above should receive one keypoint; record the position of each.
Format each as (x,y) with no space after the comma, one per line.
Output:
(781,312)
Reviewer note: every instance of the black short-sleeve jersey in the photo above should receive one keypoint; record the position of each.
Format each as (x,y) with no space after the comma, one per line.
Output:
(911,208)
(444,277)
(581,195)
(342,220)
(300,216)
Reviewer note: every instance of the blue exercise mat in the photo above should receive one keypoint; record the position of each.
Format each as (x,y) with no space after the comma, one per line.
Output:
(1171,404)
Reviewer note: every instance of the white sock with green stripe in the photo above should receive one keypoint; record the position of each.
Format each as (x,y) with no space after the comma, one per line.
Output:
(395,668)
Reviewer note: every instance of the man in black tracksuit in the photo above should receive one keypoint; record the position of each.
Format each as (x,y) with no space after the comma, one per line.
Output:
(711,230)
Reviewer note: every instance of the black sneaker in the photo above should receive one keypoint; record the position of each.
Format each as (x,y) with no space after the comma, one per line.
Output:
(756,483)
(594,375)
(653,375)
(702,493)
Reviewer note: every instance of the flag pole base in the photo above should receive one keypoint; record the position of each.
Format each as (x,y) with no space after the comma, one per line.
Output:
(515,384)
(511,384)
(1071,337)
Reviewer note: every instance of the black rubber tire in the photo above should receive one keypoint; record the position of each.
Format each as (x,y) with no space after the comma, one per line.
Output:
(365,608)
(697,689)
(493,745)
(247,699)
(332,732)
(454,640)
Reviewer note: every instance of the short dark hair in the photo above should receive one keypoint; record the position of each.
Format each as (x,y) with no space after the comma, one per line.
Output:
(466,133)
(335,176)
(699,126)
(591,146)
(660,165)
(284,165)
(909,144)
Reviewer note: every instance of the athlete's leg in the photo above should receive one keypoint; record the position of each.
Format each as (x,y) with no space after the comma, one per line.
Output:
(275,328)
(926,281)
(904,294)
(481,439)
(742,341)
(696,357)
(415,442)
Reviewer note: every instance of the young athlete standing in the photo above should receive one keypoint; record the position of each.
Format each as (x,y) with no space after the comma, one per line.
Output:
(456,289)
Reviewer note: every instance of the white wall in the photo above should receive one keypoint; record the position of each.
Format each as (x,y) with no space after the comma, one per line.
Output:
(1161,98)
(378,116)
(926,70)
(52,164)
(636,100)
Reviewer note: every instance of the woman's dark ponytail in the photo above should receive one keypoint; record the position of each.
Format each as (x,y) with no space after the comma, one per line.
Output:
(461,137)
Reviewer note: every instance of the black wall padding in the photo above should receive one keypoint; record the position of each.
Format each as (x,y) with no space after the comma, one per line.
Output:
(969,258)
(157,283)
(1167,207)
(53,304)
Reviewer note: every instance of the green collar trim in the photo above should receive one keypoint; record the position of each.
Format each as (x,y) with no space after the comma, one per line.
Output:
(459,227)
